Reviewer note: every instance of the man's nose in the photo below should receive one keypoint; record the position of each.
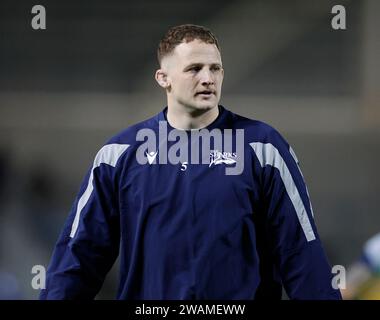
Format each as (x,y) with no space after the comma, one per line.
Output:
(206,77)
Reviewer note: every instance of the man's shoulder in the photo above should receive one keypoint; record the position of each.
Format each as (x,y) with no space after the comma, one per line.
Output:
(257,130)
(128,135)
(121,143)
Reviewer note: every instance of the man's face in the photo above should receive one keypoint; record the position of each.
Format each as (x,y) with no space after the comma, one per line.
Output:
(194,76)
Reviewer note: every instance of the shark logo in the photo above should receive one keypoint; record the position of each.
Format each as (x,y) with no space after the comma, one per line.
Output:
(217,157)
(151,156)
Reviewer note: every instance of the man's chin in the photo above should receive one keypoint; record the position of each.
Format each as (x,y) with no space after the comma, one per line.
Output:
(202,108)
(205,105)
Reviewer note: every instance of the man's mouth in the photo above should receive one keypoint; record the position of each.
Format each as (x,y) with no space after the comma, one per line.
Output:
(205,92)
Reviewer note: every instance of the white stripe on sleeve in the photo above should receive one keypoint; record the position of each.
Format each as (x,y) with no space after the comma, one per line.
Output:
(108,154)
(269,155)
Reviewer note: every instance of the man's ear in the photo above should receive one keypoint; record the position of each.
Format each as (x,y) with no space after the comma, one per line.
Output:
(162,79)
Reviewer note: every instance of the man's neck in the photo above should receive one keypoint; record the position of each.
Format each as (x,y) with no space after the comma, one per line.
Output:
(185,120)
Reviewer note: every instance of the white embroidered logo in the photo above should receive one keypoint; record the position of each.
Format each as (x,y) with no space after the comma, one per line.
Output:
(217,157)
(151,156)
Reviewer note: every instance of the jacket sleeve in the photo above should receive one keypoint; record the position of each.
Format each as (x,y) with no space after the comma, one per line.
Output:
(295,246)
(89,242)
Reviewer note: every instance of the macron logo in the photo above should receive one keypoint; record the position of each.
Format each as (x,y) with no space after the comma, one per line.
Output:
(151,156)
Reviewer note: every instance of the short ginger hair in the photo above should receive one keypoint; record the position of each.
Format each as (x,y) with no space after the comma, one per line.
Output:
(183,33)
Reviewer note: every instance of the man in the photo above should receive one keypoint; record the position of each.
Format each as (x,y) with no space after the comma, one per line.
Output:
(205,204)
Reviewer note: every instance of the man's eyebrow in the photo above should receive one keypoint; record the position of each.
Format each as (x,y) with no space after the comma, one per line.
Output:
(195,64)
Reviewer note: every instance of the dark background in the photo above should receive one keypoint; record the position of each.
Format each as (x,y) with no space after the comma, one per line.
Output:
(65,90)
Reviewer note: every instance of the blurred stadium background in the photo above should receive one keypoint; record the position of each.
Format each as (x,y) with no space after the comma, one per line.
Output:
(65,90)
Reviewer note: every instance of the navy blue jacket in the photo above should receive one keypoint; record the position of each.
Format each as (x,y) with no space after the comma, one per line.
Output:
(189,230)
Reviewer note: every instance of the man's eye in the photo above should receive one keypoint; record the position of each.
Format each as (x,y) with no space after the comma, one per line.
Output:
(196,69)
(215,68)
